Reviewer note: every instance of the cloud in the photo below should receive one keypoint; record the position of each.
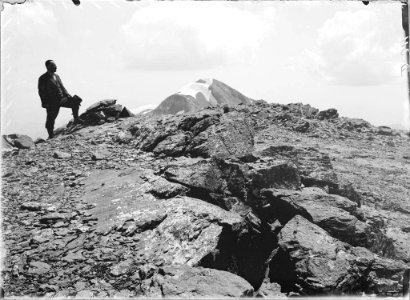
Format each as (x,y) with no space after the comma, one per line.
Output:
(194,35)
(359,48)
(32,19)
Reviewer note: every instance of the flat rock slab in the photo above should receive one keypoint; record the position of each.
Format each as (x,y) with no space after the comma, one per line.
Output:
(186,282)
(115,194)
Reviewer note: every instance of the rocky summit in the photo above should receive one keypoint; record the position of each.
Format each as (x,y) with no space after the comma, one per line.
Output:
(253,200)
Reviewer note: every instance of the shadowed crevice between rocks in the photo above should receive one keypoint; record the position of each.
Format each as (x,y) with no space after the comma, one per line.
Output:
(195,192)
(282,271)
(243,252)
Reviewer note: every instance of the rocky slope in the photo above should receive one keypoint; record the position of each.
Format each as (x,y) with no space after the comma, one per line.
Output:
(251,200)
(201,94)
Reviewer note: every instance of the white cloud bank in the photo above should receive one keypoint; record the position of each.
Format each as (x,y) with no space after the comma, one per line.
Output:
(359,48)
(193,35)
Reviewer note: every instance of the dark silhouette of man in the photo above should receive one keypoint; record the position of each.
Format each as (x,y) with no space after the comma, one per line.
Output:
(53,95)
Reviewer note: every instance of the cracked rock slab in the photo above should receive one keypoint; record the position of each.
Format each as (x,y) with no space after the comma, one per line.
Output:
(321,264)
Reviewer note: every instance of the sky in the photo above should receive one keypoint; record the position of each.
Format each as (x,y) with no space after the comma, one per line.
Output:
(328,54)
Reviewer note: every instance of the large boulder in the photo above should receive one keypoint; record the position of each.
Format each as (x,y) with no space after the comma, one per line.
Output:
(199,121)
(339,216)
(233,136)
(395,226)
(19,141)
(100,105)
(311,262)
(330,113)
(101,112)
(272,174)
(173,145)
(314,166)
(104,111)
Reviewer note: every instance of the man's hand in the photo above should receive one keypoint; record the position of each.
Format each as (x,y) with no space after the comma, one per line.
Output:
(64,100)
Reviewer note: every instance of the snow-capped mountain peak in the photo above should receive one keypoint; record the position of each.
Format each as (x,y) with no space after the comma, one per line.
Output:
(200,94)
(202,86)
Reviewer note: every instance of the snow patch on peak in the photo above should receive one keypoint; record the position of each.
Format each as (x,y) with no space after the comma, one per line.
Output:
(143,109)
(201,86)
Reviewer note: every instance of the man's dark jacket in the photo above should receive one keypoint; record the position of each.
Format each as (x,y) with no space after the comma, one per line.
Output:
(51,91)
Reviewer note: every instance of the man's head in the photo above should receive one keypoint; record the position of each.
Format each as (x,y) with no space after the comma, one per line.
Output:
(51,66)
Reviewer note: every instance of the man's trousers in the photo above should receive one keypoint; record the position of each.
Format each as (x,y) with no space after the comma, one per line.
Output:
(52,113)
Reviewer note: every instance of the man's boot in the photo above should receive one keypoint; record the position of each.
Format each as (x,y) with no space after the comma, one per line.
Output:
(75,115)
(50,133)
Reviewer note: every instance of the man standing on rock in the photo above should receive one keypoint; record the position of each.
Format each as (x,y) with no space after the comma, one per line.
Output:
(53,95)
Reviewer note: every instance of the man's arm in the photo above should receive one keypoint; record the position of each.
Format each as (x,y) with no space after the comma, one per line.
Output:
(43,93)
(66,94)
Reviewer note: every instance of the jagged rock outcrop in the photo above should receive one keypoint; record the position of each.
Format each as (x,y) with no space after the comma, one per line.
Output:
(247,200)
(104,111)
(207,133)
(328,114)
(97,114)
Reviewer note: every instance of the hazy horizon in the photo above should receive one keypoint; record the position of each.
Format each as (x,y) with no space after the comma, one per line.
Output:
(343,55)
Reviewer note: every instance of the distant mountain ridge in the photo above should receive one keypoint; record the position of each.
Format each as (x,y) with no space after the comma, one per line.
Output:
(201,94)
